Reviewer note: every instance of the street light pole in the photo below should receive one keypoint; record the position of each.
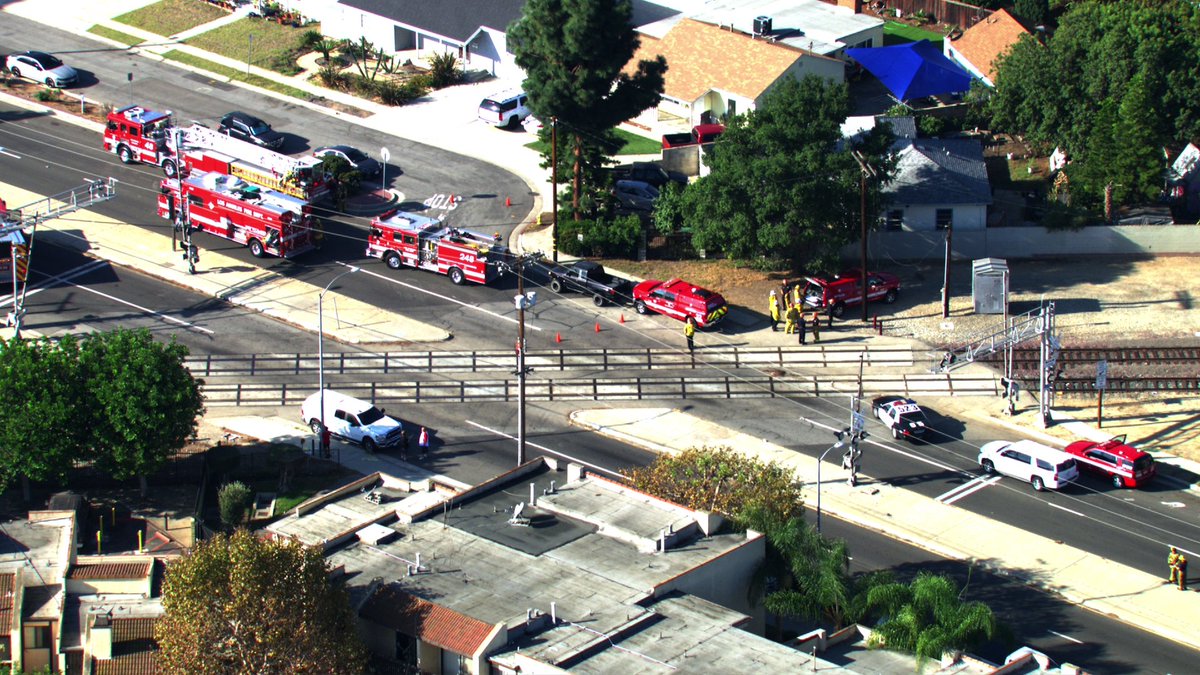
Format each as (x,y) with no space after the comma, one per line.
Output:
(820,460)
(321,355)
(522,301)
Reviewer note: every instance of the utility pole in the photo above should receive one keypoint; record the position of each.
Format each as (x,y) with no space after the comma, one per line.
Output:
(946,272)
(554,188)
(866,170)
(522,301)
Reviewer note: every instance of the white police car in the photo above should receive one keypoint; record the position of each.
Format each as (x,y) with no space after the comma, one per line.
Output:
(902,415)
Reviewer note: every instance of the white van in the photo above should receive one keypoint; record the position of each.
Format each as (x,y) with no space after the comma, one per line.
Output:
(1038,464)
(351,419)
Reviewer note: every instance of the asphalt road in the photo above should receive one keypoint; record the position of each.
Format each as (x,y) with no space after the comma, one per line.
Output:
(48,156)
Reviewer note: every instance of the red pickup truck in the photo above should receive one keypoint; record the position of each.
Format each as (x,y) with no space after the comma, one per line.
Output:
(699,135)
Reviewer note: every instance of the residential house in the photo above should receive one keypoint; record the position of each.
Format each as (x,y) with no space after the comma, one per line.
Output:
(814,26)
(979,47)
(939,183)
(471,29)
(540,570)
(716,72)
(62,613)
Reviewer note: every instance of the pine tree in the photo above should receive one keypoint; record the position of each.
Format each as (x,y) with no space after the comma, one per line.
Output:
(573,53)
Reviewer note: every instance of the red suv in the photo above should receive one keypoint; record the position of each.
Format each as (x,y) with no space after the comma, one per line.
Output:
(1124,465)
(679,299)
(833,295)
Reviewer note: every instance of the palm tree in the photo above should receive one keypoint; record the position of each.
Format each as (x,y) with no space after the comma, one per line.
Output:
(928,617)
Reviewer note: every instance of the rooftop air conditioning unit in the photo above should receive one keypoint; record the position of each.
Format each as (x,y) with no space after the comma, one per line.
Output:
(762,25)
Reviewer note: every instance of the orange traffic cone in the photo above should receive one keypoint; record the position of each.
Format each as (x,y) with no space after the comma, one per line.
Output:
(452,199)
(622,317)
(597,326)
(508,201)
(558,337)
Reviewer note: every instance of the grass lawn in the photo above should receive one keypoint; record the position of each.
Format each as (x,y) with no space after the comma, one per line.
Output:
(633,144)
(895,33)
(168,17)
(236,74)
(305,487)
(123,38)
(274,47)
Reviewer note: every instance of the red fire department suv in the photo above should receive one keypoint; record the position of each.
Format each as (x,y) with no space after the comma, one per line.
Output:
(1124,465)
(834,295)
(679,299)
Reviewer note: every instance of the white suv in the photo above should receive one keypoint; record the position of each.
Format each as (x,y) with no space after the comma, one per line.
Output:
(354,420)
(1038,464)
(505,109)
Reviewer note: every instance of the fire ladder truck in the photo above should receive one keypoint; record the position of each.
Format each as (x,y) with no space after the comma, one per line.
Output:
(17,230)
(265,221)
(408,239)
(137,135)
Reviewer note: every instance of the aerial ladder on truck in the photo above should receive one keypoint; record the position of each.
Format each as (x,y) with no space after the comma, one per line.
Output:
(258,165)
(20,225)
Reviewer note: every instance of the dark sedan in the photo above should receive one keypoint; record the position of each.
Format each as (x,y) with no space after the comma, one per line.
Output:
(356,158)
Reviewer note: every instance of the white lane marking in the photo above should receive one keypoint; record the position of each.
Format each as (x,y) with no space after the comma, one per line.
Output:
(147,310)
(4,151)
(968,488)
(545,449)
(1066,637)
(1074,513)
(443,297)
(41,286)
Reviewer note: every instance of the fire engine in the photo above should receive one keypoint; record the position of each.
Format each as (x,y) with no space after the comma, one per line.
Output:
(265,221)
(408,239)
(137,135)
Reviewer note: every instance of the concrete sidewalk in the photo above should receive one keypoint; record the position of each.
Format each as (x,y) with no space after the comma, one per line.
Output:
(1140,599)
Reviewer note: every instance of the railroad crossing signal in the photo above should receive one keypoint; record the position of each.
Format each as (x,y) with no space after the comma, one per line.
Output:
(20,253)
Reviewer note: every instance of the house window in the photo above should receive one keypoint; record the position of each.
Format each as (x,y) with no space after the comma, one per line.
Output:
(731,109)
(37,637)
(894,220)
(945,218)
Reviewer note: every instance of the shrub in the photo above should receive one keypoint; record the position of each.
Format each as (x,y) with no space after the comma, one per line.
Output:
(399,93)
(311,38)
(234,499)
(331,76)
(930,125)
(616,237)
(444,70)
(363,86)
(47,94)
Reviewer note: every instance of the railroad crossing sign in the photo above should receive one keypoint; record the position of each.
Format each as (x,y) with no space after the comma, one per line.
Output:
(1102,374)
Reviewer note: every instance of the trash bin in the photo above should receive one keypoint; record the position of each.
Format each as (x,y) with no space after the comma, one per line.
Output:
(989,285)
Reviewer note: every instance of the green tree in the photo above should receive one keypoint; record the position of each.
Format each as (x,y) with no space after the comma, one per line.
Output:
(40,396)
(573,53)
(721,480)
(783,184)
(143,403)
(234,499)
(240,604)
(928,617)
(1034,12)
(1124,58)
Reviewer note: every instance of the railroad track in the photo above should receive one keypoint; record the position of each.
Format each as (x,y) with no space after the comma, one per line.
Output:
(1024,357)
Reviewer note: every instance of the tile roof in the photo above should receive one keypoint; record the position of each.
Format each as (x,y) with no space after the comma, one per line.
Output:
(128,570)
(933,171)
(455,19)
(7,583)
(134,651)
(987,40)
(142,663)
(701,57)
(395,608)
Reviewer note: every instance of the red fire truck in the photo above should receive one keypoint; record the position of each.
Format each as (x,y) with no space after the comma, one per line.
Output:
(407,239)
(137,135)
(265,221)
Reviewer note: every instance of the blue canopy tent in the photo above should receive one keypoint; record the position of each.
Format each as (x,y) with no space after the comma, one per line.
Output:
(913,70)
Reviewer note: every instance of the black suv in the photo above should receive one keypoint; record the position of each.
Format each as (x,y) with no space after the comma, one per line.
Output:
(252,129)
